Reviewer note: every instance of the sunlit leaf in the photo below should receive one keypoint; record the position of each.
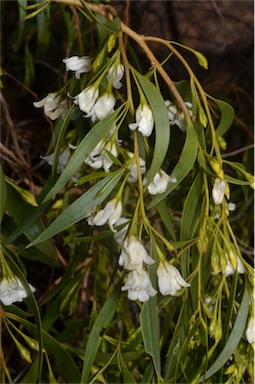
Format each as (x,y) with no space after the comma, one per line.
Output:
(80,208)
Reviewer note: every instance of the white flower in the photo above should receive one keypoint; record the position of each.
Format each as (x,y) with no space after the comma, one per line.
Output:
(120,235)
(62,159)
(53,106)
(144,120)
(133,175)
(102,108)
(78,64)
(133,254)
(231,206)
(169,279)
(176,116)
(230,270)
(139,286)
(218,191)
(98,158)
(86,99)
(250,330)
(160,183)
(111,214)
(12,291)
(116,74)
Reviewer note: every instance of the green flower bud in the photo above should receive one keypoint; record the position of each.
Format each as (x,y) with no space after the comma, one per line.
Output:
(221,141)
(111,42)
(97,63)
(217,168)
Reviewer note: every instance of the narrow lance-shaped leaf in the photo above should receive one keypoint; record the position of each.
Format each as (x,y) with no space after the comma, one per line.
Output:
(80,208)
(103,319)
(162,125)
(227,115)
(233,339)
(149,319)
(184,165)
(89,142)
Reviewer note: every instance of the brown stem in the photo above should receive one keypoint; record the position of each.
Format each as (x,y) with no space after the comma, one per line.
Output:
(110,12)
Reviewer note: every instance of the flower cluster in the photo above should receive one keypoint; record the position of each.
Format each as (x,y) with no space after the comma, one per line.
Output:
(95,105)
(12,290)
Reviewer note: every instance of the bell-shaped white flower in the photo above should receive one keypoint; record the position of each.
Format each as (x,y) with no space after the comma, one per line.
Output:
(115,73)
(230,270)
(78,64)
(139,286)
(87,99)
(12,290)
(99,158)
(218,191)
(160,183)
(102,108)
(144,120)
(111,214)
(169,279)
(133,254)
(133,171)
(250,330)
(53,106)
(121,234)
(177,117)
(62,159)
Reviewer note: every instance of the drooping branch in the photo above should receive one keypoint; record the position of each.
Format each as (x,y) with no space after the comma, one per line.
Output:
(109,12)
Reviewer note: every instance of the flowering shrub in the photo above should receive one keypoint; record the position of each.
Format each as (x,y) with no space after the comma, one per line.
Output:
(152,285)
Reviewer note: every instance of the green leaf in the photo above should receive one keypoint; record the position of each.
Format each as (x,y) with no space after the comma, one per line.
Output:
(65,364)
(184,165)
(22,14)
(17,209)
(149,320)
(150,331)
(165,216)
(80,208)
(233,339)
(32,374)
(102,321)
(33,306)
(127,375)
(190,217)
(110,25)
(3,193)
(89,142)
(162,125)
(227,115)
(191,209)
(233,180)
(26,222)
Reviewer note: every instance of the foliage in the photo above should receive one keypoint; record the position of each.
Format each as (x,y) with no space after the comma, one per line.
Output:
(120,140)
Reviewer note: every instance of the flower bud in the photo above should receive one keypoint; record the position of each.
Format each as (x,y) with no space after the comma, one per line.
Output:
(217,168)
